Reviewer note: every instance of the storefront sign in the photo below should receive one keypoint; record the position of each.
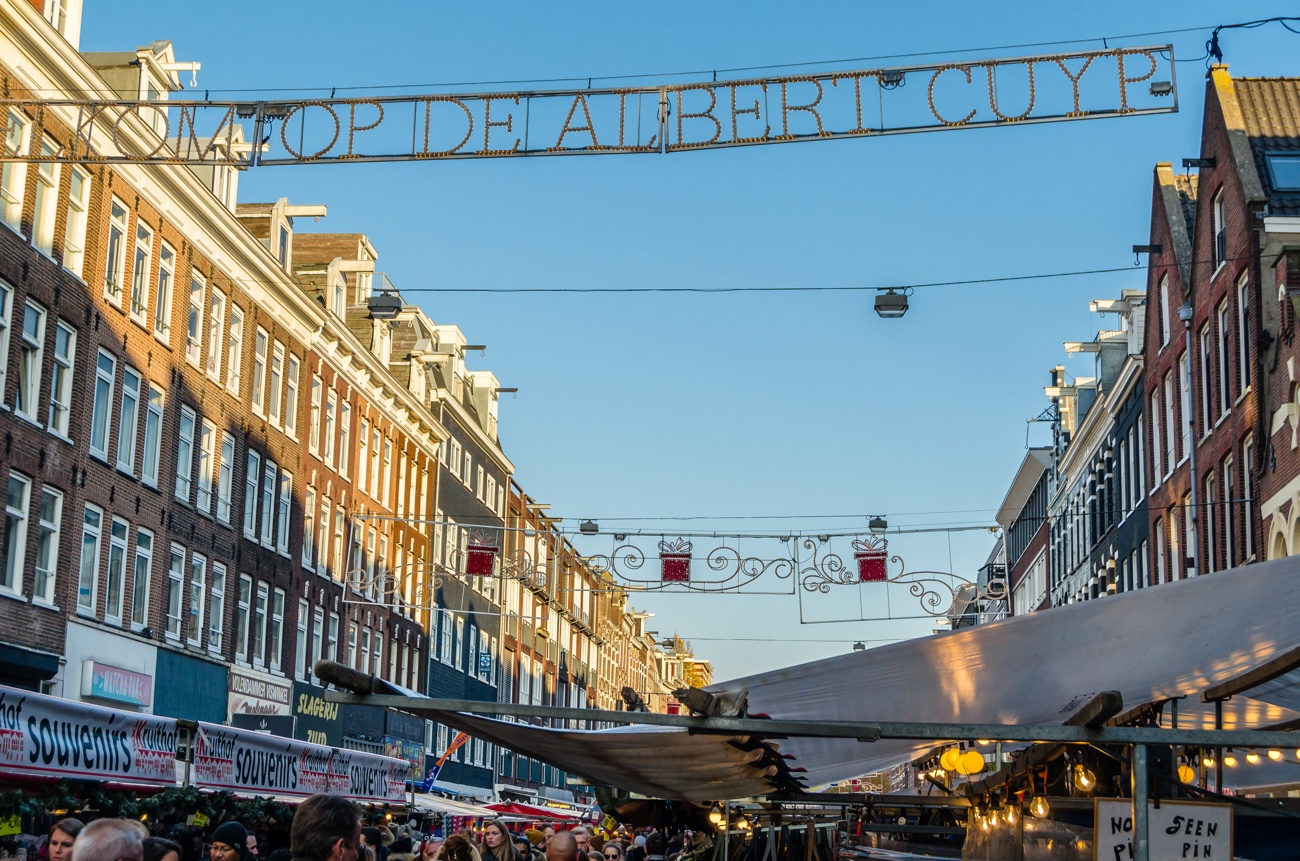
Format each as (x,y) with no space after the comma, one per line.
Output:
(411,751)
(315,720)
(1176,829)
(104,682)
(281,725)
(231,759)
(54,737)
(258,695)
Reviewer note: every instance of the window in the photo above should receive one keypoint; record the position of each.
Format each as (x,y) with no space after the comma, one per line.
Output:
(140,574)
(386,487)
(30,359)
(6,307)
(309,530)
(119,530)
(129,420)
(291,397)
(317,631)
(1165,310)
(338,543)
(283,249)
(46,200)
(162,306)
(277,380)
(1210,509)
(115,266)
(175,591)
(1185,403)
(105,371)
(47,545)
(207,465)
(1220,231)
(258,647)
(322,537)
(216,332)
(275,639)
(243,606)
(152,437)
(338,297)
(88,573)
(234,348)
(268,503)
(217,613)
(286,493)
(300,641)
(353,655)
(1207,363)
(15,537)
(331,408)
(1225,351)
(1229,500)
(1243,331)
(374,460)
(13,175)
(1189,527)
(74,231)
(140,272)
(198,588)
(365,650)
(65,348)
(363,453)
(468,472)
(1170,428)
(332,638)
(458,655)
(251,474)
(345,435)
(194,320)
(313,431)
(184,453)
(226,477)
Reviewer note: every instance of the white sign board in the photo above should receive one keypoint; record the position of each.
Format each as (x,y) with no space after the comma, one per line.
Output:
(1176,830)
(54,737)
(232,759)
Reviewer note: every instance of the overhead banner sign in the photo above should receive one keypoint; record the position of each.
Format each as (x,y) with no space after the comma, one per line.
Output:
(231,759)
(53,737)
(1175,829)
(1116,82)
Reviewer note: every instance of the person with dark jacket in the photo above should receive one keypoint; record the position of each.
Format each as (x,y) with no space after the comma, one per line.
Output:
(325,828)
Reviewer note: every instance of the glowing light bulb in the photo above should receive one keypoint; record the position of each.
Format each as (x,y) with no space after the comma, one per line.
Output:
(1275,754)
(1010,813)
(1208,760)
(1252,757)
(1084,779)
(715,815)
(1230,761)
(985,823)
(1039,807)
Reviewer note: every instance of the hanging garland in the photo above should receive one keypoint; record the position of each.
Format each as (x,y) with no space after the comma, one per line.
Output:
(173,805)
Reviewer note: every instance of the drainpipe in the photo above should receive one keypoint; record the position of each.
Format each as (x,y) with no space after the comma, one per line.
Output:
(1185,314)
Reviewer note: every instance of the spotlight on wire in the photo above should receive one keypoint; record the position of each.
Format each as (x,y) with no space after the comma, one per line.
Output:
(890,303)
(588,527)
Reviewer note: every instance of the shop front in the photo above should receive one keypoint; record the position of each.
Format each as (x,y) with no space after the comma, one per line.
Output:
(25,668)
(314,719)
(259,702)
(190,687)
(108,668)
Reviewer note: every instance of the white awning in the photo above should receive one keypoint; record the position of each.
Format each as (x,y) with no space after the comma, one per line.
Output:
(1174,640)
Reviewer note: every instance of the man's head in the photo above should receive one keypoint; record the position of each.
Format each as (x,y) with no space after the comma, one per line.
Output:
(228,842)
(325,828)
(110,840)
(548,831)
(62,835)
(251,843)
(654,844)
(583,838)
(562,847)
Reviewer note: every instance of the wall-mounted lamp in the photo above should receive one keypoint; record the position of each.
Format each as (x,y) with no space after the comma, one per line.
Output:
(890,303)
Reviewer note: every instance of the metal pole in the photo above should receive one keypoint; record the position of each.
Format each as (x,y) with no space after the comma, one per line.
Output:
(1218,753)
(726,829)
(1141,845)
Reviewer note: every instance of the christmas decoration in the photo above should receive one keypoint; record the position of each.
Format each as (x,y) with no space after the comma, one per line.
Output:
(870,555)
(675,560)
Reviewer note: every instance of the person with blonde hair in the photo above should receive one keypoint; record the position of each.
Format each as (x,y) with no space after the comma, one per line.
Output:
(457,847)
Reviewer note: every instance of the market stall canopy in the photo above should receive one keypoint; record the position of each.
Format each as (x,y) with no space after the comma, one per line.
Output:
(438,804)
(517,808)
(1150,645)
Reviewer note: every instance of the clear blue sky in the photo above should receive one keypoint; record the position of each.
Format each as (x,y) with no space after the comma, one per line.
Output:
(743,405)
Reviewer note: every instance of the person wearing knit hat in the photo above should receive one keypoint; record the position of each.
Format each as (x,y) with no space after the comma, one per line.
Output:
(535,836)
(229,842)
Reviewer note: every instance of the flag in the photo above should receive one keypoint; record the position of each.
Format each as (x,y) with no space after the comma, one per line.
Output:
(457,743)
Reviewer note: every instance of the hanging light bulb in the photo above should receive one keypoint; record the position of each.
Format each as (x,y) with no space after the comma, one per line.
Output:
(1230,760)
(1275,754)
(986,821)
(952,755)
(1207,759)
(1039,807)
(715,815)
(1084,779)
(1186,774)
(972,762)
(1009,814)
(1252,756)
(983,742)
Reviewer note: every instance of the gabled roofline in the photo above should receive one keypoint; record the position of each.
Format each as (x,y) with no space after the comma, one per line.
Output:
(1171,202)
(1225,92)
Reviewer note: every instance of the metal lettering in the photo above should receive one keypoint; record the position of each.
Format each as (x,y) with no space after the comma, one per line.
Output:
(353,128)
(284,130)
(811,108)
(508,125)
(1074,82)
(929,96)
(706,114)
(736,112)
(589,128)
(991,70)
(1124,82)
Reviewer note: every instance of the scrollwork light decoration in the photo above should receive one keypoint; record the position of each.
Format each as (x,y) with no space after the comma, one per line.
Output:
(724,569)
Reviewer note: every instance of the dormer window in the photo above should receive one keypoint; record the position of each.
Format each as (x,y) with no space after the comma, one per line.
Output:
(338,297)
(282,247)
(1284,171)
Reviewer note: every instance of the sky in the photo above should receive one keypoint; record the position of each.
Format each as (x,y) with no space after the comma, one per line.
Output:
(756,413)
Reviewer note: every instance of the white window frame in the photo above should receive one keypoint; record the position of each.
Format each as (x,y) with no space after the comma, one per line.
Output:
(185,453)
(345,436)
(194,319)
(308,529)
(17,511)
(291,397)
(153,425)
(252,484)
(76,221)
(234,349)
(267,515)
(301,669)
(275,637)
(313,430)
(1165,310)
(216,332)
(162,307)
(141,573)
(243,617)
(283,514)
(217,611)
(128,422)
(1219,239)
(1229,473)
(197,593)
(261,348)
(13,174)
(363,453)
(328,429)
(48,521)
(1243,332)
(1247,496)
(1207,349)
(226,478)
(31,358)
(92,543)
(276,382)
(141,260)
(46,201)
(1224,316)
(261,609)
(61,372)
(207,466)
(102,404)
(175,593)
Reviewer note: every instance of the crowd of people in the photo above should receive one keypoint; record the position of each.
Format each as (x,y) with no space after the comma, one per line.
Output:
(330,828)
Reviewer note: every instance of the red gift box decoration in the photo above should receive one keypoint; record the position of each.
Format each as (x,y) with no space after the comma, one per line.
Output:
(870,555)
(479,559)
(675,559)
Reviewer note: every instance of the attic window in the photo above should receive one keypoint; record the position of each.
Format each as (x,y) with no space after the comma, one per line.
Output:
(1284,171)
